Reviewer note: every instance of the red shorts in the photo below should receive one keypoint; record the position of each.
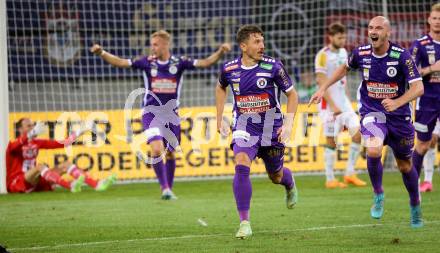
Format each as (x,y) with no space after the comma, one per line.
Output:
(19,185)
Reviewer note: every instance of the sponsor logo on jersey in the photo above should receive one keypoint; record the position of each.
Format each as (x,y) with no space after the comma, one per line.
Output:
(231,67)
(264,74)
(392,63)
(266,66)
(431,57)
(429,47)
(410,65)
(366,73)
(366,60)
(153,72)
(382,90)
(253,103)
(394,54)
(235,80)
(391,71)
(164,85)
(261,83)
(236,88)
(235,74)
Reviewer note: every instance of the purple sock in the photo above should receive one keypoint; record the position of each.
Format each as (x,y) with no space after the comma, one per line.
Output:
(417,161)
(287,179)
(411,180)
(375,170)
(242,191)
(171,167)
(159,169)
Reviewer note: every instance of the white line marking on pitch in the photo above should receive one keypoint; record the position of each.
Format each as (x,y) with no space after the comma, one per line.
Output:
(204,236)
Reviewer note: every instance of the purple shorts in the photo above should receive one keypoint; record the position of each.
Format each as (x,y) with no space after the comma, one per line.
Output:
(161,128)
(425,124)
(272,154)
(396,132)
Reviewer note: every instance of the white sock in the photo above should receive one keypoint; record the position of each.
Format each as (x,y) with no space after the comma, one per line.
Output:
(329,157)
(353,155)
(428,164)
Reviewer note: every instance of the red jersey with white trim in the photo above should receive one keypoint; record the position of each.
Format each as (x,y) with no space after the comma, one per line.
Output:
(21,154)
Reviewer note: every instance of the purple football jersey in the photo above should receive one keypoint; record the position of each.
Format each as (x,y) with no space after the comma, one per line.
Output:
(425,52)
(383,76)
(163,80)
(256,92)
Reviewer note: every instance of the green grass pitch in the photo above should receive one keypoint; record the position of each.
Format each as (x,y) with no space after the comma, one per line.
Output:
(132,218)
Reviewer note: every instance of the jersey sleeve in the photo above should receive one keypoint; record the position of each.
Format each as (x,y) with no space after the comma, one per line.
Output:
(187,63)
(222,77)
(415,51)
(353,59)
(321,62)
(16,145)
(281,78)
(48,144)
(409,68)
(140,63)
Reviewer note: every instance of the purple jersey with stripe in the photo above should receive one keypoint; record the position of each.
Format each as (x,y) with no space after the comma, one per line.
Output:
(256,91)
(425,52)
(385,76)
(163,79)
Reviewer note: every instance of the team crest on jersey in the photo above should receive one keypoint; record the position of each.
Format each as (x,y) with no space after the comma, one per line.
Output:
(173,69)
(261,83)
(391,71)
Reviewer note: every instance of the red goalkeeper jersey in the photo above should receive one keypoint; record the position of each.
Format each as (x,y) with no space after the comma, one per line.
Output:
(21,154)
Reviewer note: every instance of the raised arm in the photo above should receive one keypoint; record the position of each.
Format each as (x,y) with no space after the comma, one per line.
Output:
(213,58)
(110,58)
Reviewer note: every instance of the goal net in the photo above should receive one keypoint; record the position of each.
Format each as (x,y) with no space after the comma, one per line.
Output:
(50,70)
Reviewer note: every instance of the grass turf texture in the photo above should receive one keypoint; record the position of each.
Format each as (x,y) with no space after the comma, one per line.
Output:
(132,218)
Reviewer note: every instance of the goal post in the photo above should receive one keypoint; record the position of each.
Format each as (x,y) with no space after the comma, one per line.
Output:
(4,107)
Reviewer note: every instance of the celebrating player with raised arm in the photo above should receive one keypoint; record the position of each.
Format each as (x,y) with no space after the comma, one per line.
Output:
(25,175)
(386,70)
(426,54)
(258,129)
(163,74)
(335,109)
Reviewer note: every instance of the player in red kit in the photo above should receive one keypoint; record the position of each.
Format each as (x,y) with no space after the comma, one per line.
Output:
(25,175)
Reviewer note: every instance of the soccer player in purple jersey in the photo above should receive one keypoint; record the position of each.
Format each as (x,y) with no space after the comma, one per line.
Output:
(426,54)
(386,71)
(259,128)
(162,78)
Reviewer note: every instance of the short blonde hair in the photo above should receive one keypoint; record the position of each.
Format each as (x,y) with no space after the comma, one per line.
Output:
(435,7)
(162,34)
